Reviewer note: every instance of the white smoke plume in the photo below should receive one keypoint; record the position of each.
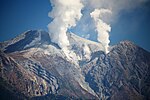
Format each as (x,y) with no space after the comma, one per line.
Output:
(65,13)
(102,28)
(104,13)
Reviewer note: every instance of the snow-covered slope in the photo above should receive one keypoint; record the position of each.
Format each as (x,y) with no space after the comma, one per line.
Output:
(40,41)
(33,67)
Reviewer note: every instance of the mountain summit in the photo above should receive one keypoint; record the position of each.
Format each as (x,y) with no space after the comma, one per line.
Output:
(33,67)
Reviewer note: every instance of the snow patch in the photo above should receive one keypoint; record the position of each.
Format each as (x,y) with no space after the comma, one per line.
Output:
(86,52)
(71,55)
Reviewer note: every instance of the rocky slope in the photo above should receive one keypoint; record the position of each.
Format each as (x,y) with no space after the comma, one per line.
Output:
(33,67)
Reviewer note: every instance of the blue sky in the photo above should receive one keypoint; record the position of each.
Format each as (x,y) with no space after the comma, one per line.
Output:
(17,16)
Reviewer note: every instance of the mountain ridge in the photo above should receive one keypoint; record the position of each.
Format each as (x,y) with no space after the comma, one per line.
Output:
(37,68)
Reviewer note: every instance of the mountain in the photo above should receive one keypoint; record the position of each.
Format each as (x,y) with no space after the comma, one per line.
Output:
(33,67)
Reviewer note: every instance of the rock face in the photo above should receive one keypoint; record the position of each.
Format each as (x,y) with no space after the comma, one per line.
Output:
(33,67)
